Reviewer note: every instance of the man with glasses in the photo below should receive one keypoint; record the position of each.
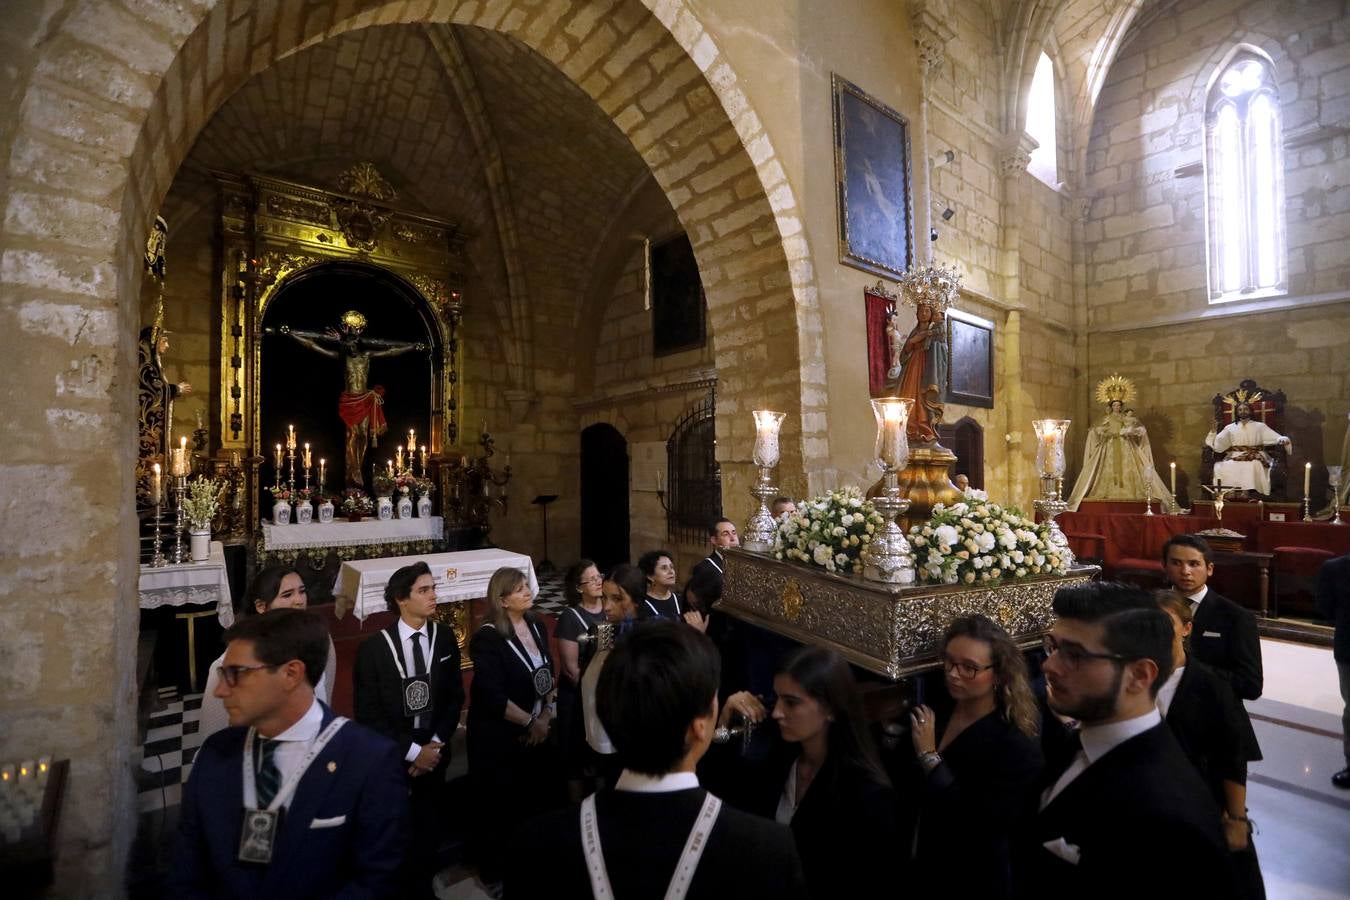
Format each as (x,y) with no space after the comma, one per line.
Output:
(1123,813)
(291,800)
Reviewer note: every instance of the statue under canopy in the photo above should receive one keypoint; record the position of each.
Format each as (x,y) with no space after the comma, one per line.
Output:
(1118,460)
(918,361)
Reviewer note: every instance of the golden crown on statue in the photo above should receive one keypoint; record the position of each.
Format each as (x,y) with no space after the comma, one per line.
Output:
(1115,387)
(354,320)
(932,286)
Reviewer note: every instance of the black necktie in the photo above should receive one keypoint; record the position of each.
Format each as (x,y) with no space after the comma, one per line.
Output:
(419,661)
(269,776)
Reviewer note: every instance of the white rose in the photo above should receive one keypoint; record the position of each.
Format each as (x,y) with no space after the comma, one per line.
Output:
(840,558)
(821,554)
(969,577)
(985,540)
(1018,556)
(946,534)
(1021,572)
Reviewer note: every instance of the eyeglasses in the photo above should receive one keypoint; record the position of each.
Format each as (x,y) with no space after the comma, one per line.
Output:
(1074,655)
(230,674)
(596,580)
(964,669)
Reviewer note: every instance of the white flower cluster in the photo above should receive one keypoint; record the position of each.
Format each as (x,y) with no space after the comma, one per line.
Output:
(975,541)
(829,531)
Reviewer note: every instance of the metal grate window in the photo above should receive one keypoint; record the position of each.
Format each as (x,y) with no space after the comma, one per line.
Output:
(695,487)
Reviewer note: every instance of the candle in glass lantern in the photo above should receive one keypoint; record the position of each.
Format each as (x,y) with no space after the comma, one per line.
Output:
(1174,478)
(892,445)
(1307,478)
(1050,446)
(767,423)
(156,486)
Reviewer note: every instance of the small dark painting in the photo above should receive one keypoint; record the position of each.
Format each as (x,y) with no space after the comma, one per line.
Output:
(677,297)
(970,378)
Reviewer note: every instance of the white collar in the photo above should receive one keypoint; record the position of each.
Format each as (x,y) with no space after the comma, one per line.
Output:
(406,631)
(637,783)
(307,727)
(1199,595)
(1098,740)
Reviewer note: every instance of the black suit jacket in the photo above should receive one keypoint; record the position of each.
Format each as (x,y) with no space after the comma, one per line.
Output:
(1224,637)
(642,836)
(342,835)
(1211,727)
(1143,822)
(379,688)
(1333,600)
(973,803)
(499,676)
(712,563)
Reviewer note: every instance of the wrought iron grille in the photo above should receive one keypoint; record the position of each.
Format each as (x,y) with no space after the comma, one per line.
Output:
(695,487)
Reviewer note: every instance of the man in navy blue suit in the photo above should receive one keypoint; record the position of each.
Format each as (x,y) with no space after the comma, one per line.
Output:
(292,800)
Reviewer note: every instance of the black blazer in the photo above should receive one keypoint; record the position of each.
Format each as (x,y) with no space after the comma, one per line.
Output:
(1333,601)
(972,804)
(499,676)
(1224,637)
(714,563)
(1210,726)
(642,837)
(379,688)
(1143,822)
(844,827)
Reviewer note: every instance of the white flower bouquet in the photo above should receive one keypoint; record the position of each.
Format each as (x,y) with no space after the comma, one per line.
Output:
(202,500)
(829,531)
(975,541)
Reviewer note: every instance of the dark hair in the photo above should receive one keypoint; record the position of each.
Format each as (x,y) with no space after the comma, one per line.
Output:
(647,562)
(706,585)
(631,580)
(400,586)
(1133,626)
(826,678)
(265,586)
(712,526)
(572,583)
(1194,541)
(653,685)
(1013,693)
(281,635)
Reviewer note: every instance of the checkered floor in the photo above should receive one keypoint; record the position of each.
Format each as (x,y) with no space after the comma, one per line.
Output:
(171,737)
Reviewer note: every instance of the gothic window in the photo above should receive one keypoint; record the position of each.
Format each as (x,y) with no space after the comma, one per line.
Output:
(1244,182)
(1041,123)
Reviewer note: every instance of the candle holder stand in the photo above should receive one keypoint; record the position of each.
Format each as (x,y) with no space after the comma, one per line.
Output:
(180,554)
(887,559)
(760,529)
(1307,511)
(1334,474)
(157,558)
(1050,506)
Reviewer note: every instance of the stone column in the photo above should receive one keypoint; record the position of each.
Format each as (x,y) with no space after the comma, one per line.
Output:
(1082,412)
(1012,165)
(931,35)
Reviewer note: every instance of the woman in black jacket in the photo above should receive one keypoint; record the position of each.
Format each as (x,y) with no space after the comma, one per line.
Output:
(977,765)
(511,706)
(821,777)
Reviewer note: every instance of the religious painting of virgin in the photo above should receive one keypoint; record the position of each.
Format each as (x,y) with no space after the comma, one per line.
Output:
(970,375)
(676,297)
(872,169)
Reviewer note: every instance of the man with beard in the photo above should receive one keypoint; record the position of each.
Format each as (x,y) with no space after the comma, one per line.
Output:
(1123,813)
(1244,464)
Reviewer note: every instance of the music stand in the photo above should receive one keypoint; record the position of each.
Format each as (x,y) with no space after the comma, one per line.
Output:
(542,501)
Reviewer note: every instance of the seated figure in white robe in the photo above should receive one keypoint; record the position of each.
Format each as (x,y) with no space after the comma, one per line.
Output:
(1118,462)
(1245,464)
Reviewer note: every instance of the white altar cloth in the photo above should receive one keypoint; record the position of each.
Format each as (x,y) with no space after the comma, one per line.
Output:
(462,575)
(351,534)
(190,583)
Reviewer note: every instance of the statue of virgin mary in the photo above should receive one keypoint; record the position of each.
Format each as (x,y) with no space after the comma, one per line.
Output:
(1118,461)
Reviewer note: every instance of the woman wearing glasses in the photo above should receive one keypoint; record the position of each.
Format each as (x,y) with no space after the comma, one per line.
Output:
(276,587)
(821,777)
(585,610)
(978,764)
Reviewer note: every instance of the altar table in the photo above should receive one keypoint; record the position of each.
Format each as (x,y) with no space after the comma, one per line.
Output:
(318,550)
(190,584)
(462,575)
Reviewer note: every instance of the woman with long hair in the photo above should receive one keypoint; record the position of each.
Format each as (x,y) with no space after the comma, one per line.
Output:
(583,589)
(822,777)
(275,587)
(977,765)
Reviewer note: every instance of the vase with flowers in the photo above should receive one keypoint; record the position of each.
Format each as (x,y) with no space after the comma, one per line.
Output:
(199,508)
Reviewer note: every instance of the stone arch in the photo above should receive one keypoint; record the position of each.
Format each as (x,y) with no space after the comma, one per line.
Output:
(106,117)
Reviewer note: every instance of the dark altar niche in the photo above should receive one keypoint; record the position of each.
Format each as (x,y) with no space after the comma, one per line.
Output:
(301,387)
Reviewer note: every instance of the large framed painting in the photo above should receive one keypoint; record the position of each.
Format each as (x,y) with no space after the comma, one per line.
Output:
(676,297)
(872,169)
(970,375)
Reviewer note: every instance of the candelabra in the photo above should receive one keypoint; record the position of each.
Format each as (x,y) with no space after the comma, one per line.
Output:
(180,524)
(1050,434)
(157,559)
(887,557)
(760,530)
(1334,476)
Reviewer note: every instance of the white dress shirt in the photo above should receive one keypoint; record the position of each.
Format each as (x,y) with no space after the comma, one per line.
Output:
(1169,690)
(1098,740)
(637,783)
(296,740)
(1198,597)
(405,633)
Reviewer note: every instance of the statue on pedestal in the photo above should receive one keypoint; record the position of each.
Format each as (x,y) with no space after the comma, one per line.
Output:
(360,406)
(1245,464)
(1118,460)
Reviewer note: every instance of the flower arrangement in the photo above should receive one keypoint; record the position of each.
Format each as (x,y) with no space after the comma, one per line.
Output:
(405,481)
(281,493)
(304,495)
(384,484)
(356,503)
(975,541)
(829,531)
(423,486)
(202,501)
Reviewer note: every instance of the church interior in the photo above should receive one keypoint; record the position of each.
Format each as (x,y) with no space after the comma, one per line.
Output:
(572,246)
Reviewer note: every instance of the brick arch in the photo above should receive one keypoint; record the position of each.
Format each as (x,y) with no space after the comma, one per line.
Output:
(112,102)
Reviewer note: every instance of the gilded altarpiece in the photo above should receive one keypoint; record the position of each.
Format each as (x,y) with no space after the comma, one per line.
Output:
(273,230)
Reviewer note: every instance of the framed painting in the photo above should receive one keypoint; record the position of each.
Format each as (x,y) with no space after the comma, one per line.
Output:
(970,375)
(880,308)
(872,171)
(677,302)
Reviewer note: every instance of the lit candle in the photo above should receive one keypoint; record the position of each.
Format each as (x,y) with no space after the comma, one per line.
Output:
(893,432)
(322,463)
(309,460)
(156,486)
(278,457)
(767,422)
(424,460)
(1307,478)
(390,466)
(290,437)
(399,454)
(412,440)
(1174,478)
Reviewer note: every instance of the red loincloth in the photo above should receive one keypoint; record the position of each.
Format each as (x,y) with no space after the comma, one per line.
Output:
(364,409)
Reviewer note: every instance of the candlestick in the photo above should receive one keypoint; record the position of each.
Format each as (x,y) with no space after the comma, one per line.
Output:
(424,460)
(322,463)
(399,455)
(309,459)
(412,442)
(290,437)
(888,558)
(156,486)
(1174,479)
(278,463)
(1307,478)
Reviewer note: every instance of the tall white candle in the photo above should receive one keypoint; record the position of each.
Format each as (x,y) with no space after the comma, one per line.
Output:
(1174,478)
(1307,478)
(156,486)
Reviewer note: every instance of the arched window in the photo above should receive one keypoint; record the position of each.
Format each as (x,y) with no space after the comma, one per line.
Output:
(1041,123)
(1245,181)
